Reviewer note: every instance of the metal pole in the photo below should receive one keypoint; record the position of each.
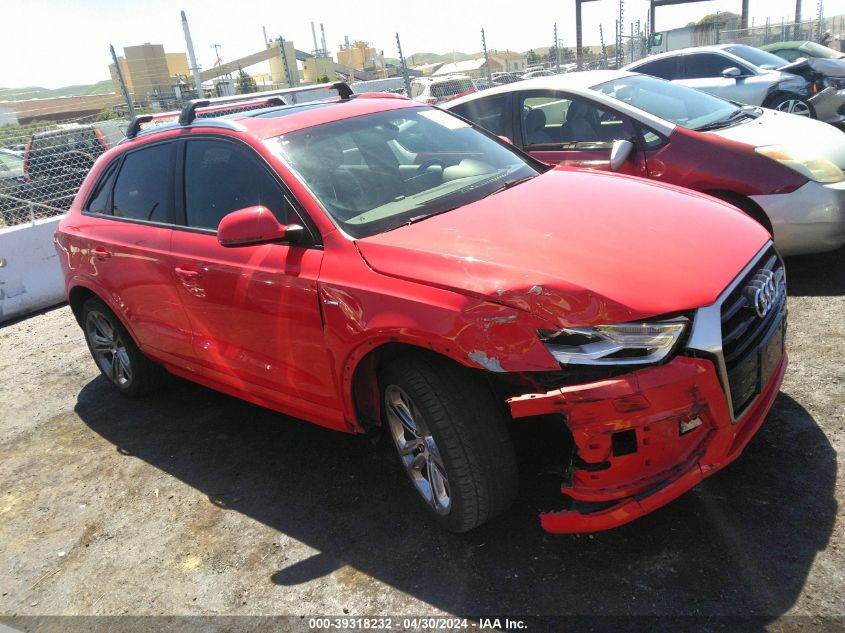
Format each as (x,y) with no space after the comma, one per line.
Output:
(579,37)
(603,48)
(404,67)
(718,31)
(195,70)
(796,31)
(557,50)
(285,64)
(123,87)
(632,42)
(486,59)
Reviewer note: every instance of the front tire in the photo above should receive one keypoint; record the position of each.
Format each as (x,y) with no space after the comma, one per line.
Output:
(792,104)
(115,352)
(451,438)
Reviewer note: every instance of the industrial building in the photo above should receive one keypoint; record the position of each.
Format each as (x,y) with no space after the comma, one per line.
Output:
(149,72)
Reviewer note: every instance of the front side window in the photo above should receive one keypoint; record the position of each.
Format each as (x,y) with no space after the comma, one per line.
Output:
(677,104)
(144,186)
(755,56)
(377,172)
(555,120)
(221,177)
(488,112)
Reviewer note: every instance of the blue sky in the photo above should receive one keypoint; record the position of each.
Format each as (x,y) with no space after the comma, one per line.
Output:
(73,36)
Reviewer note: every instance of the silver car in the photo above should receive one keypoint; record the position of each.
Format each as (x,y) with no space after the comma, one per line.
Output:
(746,75)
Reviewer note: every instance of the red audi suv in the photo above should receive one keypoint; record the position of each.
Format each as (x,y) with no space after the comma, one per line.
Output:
(367,262)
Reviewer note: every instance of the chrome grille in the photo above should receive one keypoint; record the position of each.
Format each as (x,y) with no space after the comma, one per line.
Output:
(751,336)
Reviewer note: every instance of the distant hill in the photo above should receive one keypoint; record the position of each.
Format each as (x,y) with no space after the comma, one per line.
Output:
(418,59)
(37,92)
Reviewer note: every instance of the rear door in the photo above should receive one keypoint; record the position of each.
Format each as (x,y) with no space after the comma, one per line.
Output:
(559,128)
(125,235)
(254,310)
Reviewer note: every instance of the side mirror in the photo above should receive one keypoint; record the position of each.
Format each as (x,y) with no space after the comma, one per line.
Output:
(506,139)
(255,225)
(732,73)
(619,153)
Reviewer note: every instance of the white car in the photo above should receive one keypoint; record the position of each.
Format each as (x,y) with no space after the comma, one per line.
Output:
(783,170)
(434,90)
(747,75)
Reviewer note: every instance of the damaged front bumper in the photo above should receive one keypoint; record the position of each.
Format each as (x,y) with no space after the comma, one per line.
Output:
(829,105)
(645,438)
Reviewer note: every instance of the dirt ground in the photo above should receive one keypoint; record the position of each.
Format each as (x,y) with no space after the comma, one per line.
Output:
(190,502)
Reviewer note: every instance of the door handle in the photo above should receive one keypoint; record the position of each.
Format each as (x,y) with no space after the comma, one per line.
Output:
(186,273)
(101,253)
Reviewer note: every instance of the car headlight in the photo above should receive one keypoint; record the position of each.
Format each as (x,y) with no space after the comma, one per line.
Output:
(622,344)
(816,169)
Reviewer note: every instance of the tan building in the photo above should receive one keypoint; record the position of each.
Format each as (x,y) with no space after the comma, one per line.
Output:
(277,67)
(177,65)
(510,61)
(356,56)
(473,68)
(149,71)
(315,67)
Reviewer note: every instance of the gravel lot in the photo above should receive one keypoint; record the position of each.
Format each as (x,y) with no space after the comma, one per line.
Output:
(190,502)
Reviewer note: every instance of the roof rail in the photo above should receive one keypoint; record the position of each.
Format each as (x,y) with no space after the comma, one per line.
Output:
(270,97)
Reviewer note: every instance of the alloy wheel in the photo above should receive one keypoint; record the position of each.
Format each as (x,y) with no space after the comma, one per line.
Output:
(417,449)
(108,347)
(794,106)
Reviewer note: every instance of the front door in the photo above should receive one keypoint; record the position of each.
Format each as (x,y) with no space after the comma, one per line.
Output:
(254,309)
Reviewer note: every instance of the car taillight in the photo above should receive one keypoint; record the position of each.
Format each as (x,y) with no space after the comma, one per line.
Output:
(26,154)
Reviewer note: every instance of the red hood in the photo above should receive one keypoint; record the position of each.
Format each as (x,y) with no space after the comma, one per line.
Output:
(578,248)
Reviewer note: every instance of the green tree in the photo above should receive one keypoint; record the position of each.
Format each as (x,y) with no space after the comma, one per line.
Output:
(323,79)
(533,58)
(245,84)
(105,114)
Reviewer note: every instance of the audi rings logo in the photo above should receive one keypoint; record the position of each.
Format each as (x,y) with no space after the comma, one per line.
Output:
(762,292)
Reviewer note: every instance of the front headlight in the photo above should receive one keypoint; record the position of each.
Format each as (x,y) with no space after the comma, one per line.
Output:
(816,169)
(622,344)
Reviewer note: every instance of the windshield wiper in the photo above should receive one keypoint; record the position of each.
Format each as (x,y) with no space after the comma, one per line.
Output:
(733,117)
(508,184)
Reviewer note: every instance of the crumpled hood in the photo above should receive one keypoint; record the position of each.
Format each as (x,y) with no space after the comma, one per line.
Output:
(577,248)
(779,128)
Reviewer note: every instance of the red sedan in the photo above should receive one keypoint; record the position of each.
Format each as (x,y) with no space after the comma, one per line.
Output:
(372,263)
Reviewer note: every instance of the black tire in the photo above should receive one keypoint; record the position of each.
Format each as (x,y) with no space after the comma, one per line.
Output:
(122,364)
(789,102)
(470,435)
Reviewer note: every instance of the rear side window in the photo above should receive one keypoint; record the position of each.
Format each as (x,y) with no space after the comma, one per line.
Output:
(144,186)
(703,65)
(665,68)
(221,177)
(99,201)
(489,113)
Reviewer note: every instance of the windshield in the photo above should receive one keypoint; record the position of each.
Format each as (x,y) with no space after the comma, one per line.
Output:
(817,50)
(674,103)
(377,172)
(761,59)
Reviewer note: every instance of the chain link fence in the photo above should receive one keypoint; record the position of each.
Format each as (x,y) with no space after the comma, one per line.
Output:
(43,164)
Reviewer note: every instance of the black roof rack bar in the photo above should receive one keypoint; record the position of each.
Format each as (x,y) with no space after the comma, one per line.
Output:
(135,124)
(268,97)
(189,112)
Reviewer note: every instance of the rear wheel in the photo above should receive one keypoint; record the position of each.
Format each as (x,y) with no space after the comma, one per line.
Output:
(451,438)
(793,104)
(114,351)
